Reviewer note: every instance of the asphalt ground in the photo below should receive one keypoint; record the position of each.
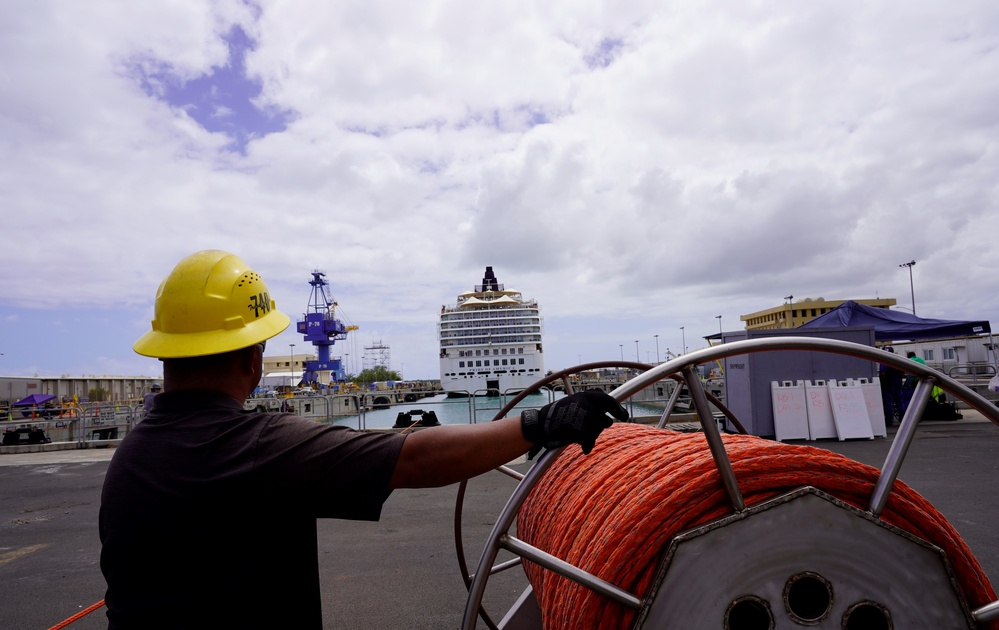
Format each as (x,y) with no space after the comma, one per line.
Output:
(401,572)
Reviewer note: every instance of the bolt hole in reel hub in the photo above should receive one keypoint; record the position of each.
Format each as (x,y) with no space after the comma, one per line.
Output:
(738,532)
(808,598)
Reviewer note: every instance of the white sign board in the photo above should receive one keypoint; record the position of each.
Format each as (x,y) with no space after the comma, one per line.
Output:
(790,412)
(820,418)
(849,410)
(875,405)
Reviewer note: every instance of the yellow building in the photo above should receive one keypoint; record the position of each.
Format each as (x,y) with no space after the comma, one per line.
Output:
(285,364)
(793,314)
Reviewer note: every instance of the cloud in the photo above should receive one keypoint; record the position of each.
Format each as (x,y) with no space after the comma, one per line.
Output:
(624,164)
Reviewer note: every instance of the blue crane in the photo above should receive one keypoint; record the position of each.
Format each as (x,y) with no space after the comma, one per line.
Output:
(323,329)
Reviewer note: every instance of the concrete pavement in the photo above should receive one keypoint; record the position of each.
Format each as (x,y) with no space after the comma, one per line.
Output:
(401,572)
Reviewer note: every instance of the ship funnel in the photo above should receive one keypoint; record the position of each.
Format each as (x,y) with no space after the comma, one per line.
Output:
(489,282)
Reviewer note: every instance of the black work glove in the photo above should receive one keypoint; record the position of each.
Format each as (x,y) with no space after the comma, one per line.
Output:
(575,419)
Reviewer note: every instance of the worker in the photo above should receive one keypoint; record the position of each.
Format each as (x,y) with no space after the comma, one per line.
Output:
(147,400)
(890,379)
(910,382)
(208,512)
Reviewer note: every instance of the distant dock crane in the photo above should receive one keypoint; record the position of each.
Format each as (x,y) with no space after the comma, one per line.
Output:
(321,327)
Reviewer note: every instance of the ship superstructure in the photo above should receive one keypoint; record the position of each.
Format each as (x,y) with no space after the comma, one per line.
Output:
(490,341)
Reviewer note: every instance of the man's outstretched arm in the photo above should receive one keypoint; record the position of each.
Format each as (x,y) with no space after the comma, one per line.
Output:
(451,453)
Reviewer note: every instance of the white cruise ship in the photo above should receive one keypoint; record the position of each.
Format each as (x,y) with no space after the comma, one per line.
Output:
(490,341)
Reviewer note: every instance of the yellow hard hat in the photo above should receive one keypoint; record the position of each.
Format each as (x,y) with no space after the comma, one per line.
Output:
(212,302)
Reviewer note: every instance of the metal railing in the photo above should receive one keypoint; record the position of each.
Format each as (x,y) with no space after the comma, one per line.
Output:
(976,372)
(492,404)
(104,421)
(84,425)
(319,407)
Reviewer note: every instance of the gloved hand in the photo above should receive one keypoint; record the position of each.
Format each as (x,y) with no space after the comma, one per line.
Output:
(575,419)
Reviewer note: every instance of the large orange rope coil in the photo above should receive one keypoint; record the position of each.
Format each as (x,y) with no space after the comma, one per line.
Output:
(612,513)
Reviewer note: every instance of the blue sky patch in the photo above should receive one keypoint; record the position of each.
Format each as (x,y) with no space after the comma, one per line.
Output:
(605,52)
(221,101)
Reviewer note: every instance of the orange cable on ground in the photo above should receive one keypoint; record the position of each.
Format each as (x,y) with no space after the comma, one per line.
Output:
(79,615)
(612,513)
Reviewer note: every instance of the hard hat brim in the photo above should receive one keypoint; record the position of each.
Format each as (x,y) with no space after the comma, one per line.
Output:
(162,345)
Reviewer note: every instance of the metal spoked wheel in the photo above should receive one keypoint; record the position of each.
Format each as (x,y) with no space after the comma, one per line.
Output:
(564,378)
(682,368)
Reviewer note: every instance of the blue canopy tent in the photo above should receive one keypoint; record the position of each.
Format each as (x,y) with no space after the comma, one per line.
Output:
(33,400)
(896,325)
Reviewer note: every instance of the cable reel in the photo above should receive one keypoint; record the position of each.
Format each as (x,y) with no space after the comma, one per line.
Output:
(800,557)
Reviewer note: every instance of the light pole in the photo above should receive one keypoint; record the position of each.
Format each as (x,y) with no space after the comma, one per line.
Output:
(718,317)
(683,340)
(621,345)
(657,348)
(292,362)
(789,311)
(263,370)
(912,291)
(638,357)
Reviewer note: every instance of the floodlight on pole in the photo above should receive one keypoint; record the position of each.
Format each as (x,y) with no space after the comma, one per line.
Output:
(912,291)
(638,357)
(718,317)
(657,348)
(789,307)
(683,340)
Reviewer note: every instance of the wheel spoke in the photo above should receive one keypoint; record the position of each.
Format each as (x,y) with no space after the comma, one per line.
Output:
(570,571)
(900,446)
(502,566)
(510,472)
(715,444)
(988,612)
(673,398)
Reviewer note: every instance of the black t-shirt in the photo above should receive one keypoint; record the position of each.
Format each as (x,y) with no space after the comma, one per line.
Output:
(208,513)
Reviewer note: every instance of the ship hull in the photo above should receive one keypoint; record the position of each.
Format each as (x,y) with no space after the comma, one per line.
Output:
(488,386)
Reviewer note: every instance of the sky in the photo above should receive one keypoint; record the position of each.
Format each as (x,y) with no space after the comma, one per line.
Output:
(639,168)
